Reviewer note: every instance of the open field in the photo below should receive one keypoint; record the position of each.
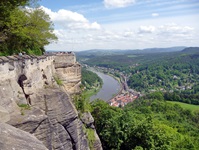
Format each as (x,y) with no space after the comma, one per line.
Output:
(186,106)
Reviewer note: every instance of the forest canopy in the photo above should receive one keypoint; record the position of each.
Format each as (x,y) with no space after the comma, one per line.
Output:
(24,28)
(146,125)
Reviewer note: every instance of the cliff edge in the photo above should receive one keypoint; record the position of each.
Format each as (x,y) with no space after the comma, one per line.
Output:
(35,100)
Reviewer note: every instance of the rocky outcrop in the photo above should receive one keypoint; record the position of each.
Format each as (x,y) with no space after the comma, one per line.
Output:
(32,101)
(88,121)
(14,139)
(69,71)
(53,120)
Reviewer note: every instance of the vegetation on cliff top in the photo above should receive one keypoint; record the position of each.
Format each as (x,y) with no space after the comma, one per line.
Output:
(24,29)
(58,81)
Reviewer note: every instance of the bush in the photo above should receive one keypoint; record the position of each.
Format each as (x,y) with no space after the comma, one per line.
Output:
(91,137)
(81,103)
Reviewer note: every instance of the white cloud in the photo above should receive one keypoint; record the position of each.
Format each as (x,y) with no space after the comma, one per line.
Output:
(71,20)
(174,29)
(146,29)
(118,3)
(154,14)
(128,34)
(107,36)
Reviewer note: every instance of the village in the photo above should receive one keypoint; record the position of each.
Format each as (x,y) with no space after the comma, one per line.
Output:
(122,99)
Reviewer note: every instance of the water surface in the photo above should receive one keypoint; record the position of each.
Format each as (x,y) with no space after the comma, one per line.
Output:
(109,88)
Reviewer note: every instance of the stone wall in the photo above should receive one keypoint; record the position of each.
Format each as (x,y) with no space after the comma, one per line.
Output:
(21,76)
(66,57)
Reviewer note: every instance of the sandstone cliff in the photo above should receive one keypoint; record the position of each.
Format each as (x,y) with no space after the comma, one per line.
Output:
(12,138)
(69,71)
(32,101)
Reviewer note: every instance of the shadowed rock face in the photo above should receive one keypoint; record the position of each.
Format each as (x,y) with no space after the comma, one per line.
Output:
(53,120)
(14,139)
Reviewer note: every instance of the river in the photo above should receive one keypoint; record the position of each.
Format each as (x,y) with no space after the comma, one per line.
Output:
(109,88)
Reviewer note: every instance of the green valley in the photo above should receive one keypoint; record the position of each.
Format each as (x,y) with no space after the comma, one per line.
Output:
(175,72)
(166,116)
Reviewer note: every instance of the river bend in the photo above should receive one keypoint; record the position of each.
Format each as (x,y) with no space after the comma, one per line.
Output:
(109,88)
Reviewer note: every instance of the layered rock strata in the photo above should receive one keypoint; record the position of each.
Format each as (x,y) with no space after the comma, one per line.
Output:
(69,71)
(53,120)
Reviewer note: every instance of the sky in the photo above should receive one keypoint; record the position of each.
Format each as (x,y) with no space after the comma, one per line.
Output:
(122,24)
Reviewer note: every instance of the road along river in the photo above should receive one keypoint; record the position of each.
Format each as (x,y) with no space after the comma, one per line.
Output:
(110,87)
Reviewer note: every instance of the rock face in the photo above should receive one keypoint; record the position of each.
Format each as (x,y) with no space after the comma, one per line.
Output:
(69,71)
(4,115)
(32,101)
(88,120)
(20,77)
(53,120)
(14,139)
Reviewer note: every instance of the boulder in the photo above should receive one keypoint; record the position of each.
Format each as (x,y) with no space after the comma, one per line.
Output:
(88,119)
(12,138)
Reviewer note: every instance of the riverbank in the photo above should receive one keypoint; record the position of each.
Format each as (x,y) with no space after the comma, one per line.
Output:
(121,87)
(91,92)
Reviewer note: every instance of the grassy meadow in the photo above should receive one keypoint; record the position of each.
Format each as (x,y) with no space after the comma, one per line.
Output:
(186,106)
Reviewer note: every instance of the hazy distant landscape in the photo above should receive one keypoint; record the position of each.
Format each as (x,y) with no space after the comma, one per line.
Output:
(168,80)
(172,70)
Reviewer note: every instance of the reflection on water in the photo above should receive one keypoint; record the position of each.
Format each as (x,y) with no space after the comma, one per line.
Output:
(109,88)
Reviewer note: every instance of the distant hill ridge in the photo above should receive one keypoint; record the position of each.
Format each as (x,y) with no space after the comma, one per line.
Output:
(103,52)
(169,49)
(191,50)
